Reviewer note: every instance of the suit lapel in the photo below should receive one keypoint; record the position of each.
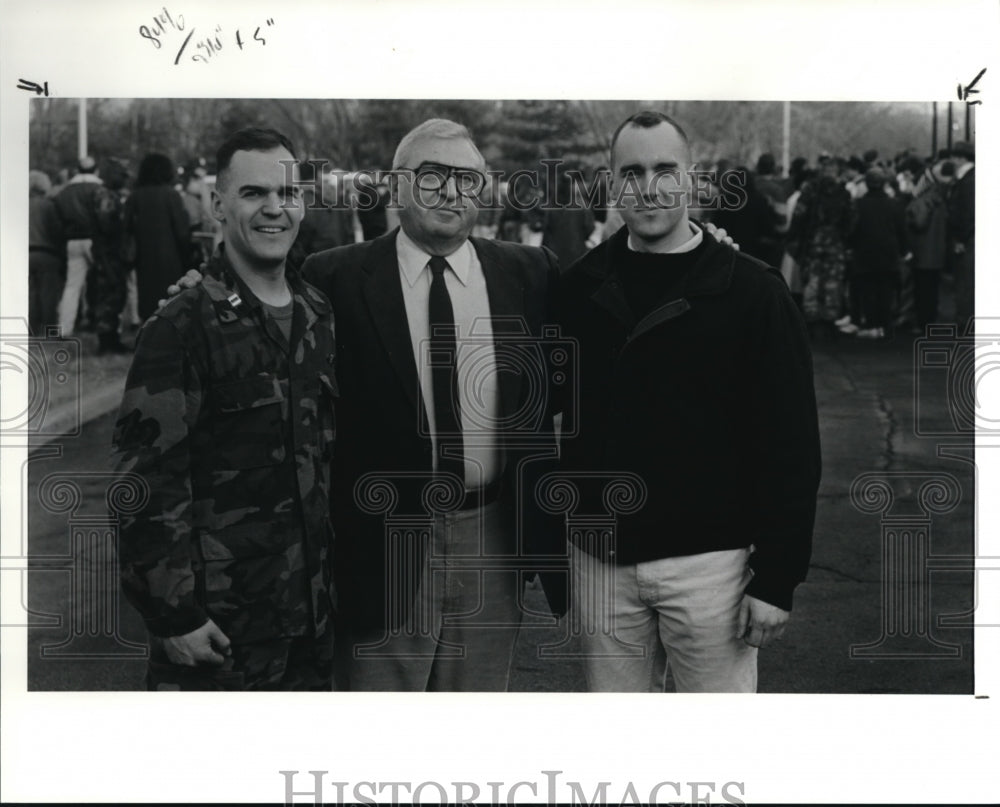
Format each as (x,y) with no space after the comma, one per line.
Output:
(506,293)
(384,296)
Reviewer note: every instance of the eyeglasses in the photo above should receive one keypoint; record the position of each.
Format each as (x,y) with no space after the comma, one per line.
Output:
(434,176)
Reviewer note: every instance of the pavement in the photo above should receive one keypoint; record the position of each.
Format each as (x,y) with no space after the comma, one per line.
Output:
(886,607)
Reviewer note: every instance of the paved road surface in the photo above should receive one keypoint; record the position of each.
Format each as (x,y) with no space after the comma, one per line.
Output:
(866,397)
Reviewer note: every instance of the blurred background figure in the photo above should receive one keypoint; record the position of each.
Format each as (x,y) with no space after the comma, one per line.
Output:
(328,220)
(198,209)
(62,180)
(110,265)
(927,223)
(509,222)
(490,202)
(769,182)
(46,255)
(789,266)
(908,171)
(158,224)
(753,224)
(533,218)
(854,177)
(820,226)
(372,210)
(568,225)
(879,241)
(76,204)
(962,231)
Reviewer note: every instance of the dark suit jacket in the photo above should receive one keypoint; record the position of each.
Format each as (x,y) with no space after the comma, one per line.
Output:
(378,417)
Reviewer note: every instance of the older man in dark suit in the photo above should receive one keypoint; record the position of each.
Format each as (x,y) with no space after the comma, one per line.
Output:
(443,424)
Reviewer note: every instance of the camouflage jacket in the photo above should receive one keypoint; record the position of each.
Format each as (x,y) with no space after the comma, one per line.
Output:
(233,433)
(109,233)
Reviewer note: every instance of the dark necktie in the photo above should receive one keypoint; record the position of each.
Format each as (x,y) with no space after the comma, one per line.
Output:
(444,373)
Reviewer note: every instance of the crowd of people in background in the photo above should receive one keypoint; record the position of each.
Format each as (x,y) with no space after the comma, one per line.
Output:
(862,242)
(102,253)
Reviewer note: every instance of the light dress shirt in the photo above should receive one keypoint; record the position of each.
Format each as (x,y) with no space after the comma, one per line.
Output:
(479,390)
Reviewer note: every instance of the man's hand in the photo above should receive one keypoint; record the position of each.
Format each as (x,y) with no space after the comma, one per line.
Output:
(190,279)
(959,248)
(720,235)
(198,647)
(760,623)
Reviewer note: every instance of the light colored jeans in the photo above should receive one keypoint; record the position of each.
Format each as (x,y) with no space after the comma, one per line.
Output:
(462,626)
(78,262)
(636,618)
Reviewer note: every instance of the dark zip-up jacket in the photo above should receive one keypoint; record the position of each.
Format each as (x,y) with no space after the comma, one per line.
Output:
(709,400)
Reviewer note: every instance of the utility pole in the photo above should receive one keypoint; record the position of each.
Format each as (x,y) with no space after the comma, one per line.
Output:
(786,136)
(934,130)
(81,130)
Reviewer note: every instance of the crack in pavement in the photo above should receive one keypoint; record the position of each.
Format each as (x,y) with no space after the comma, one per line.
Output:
(891,428)
(833,570)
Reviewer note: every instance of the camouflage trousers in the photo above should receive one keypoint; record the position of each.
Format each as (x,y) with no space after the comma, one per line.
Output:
(109,277)
(300,663)
(823,289)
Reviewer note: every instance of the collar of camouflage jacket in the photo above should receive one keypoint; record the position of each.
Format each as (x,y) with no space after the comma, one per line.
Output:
(224,285)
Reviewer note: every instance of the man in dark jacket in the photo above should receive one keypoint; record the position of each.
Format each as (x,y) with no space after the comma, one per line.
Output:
(77,205)
(880,243)
(927,223)
(695,382)
(46,256)
(444,419)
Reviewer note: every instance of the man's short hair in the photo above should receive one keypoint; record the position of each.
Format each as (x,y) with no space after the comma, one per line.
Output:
(86,165)
(433,129)
(647,119)
(250,139)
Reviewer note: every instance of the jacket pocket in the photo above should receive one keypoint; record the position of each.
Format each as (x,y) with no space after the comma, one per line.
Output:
(249,422)
(255,581)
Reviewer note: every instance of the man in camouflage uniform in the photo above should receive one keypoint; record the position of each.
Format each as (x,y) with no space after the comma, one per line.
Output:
(228,416)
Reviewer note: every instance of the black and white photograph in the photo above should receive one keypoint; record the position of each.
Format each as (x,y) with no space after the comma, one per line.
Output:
(517,412)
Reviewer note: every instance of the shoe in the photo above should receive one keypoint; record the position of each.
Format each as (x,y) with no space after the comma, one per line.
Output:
(845,320)
(849,328)
(871,333)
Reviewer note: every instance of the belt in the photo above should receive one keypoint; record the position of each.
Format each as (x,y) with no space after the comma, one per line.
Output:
(480,497)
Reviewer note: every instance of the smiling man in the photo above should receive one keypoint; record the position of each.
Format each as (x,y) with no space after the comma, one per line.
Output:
(695,375)
(228,418)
